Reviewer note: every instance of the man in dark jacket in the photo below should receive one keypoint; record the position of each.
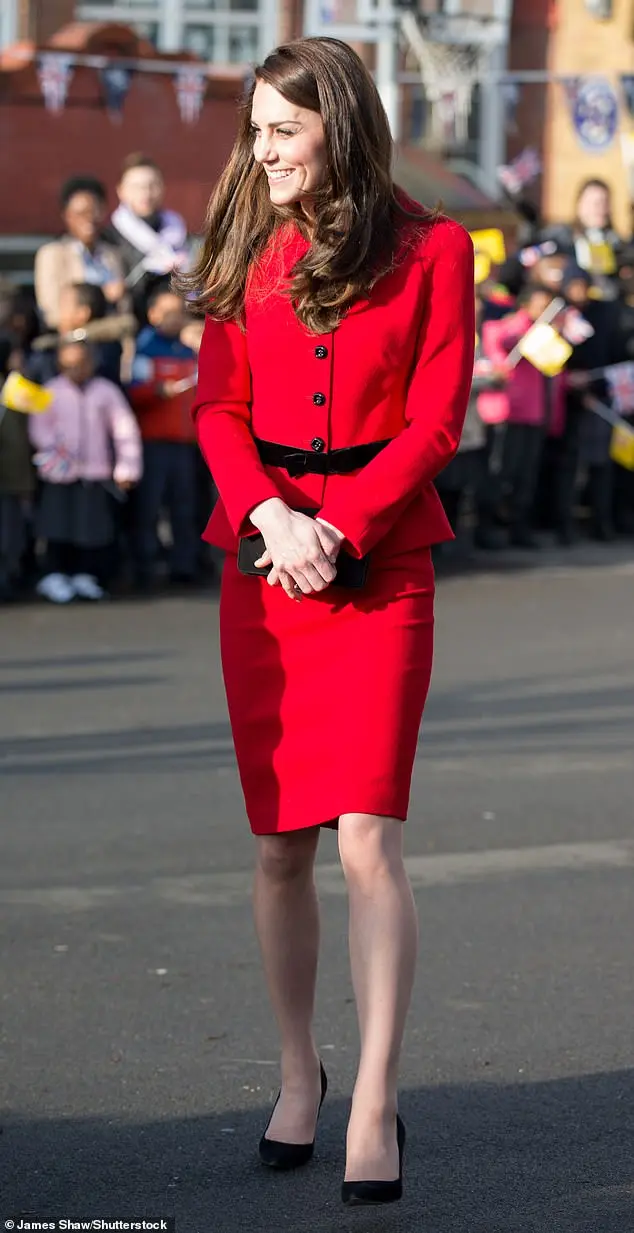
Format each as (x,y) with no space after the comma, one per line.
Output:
(152,241)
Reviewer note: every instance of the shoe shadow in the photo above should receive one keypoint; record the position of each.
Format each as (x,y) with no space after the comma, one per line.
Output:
(548,1157)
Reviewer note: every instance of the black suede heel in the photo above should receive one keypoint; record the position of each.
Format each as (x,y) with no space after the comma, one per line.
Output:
(290,1155)
(365,1194)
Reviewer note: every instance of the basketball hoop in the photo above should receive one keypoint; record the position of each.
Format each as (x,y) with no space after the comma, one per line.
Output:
(449,72)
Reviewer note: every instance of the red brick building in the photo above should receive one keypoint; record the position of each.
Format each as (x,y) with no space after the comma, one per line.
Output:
(39,149)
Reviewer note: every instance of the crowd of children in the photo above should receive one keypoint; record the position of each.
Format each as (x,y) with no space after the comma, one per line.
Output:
(84,484)
(543,460)
(89,485)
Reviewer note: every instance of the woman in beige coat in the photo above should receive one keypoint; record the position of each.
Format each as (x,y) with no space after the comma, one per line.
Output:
(80,256)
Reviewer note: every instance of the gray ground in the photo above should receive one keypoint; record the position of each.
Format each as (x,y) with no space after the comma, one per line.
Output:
(139,1055)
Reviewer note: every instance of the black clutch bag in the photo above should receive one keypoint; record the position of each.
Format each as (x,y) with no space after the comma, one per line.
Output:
(352,572)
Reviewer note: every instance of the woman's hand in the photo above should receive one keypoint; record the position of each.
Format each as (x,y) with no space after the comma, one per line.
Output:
(301,551)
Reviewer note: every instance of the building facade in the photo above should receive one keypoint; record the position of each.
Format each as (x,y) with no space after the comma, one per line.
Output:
(220,31)
(571,41)
(224,32)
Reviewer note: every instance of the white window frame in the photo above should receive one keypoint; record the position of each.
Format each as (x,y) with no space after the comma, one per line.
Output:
(173,16)
(8,22)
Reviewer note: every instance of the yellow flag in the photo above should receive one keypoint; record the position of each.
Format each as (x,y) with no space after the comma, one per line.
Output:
(18,394)
(545,349)
(490,242)
(482,268)
(622,446)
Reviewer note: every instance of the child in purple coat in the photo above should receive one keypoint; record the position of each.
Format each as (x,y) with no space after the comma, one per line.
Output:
(88,450)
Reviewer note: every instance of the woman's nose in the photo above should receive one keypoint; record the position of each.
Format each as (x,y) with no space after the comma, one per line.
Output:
(264,151)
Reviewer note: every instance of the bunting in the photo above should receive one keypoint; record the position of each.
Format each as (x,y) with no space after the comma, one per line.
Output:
(116,81)
(190,84)
(55,70)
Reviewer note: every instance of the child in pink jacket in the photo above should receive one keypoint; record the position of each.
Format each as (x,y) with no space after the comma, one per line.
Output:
(88,451)
(531,406)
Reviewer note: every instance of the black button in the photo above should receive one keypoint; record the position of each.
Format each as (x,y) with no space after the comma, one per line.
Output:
(321,353)
(317,445)
(319,399)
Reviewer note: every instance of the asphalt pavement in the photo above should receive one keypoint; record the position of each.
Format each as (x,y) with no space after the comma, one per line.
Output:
(138,1053)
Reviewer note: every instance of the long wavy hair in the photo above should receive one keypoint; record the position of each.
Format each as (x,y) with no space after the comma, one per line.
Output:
(354,231)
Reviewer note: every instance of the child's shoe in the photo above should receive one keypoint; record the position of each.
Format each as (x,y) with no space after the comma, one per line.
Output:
(56,588)
(85,586)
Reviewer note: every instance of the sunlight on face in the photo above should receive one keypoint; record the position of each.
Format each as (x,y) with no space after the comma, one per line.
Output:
(141,189)
(593,207)
(290,145)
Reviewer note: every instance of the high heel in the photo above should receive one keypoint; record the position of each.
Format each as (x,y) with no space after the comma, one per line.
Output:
(362,1194)
(290,1155)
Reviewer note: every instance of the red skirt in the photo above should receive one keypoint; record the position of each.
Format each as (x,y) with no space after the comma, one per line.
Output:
(326,696)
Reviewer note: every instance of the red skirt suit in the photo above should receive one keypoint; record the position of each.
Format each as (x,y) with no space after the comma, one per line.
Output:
(326,696)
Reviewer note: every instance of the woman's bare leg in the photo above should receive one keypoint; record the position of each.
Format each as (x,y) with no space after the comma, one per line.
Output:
(383,948)
(287,922)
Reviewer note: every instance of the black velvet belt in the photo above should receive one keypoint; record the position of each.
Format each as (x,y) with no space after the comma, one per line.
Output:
(314,462)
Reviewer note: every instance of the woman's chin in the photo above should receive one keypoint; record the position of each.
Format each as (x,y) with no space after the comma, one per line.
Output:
(282,194)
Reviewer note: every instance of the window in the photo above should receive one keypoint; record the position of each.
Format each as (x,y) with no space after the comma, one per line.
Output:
(224,44)
(204,27)
(215,6)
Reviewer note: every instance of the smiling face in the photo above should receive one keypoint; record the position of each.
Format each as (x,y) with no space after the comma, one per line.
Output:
(593,207)
(289,144)
(141,190)
(83,217)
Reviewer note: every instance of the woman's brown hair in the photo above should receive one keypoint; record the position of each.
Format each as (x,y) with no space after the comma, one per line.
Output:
(356,213)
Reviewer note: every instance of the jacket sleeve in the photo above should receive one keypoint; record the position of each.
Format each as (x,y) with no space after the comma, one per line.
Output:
(438,394)
(50,276)
(222,415)
(42,429)
(126,438)
(499,338)
(143,389)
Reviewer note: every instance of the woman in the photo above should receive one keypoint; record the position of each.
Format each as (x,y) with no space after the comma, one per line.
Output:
(334,375)
(80,256)
(591,239)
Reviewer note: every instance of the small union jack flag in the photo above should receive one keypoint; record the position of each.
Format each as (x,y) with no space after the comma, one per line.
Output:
(621,381)
(516,175)
(575,328)
(54,71)
(191,85)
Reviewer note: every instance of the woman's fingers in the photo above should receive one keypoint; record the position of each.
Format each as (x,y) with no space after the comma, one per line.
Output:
(265,559)
(318,576)
(286,581)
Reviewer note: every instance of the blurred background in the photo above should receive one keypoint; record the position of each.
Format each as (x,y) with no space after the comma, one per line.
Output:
(468,85)
(116,118)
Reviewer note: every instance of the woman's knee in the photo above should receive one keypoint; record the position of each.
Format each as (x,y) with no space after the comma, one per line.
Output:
(282,858)
(370,847)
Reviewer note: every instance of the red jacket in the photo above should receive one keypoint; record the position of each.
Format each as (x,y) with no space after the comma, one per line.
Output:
(399,366)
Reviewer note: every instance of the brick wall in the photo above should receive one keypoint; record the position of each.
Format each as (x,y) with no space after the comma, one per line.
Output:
(38,150)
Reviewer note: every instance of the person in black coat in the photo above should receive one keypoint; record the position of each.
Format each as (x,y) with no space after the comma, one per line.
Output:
(150,239)
(590,240)
(586,437)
